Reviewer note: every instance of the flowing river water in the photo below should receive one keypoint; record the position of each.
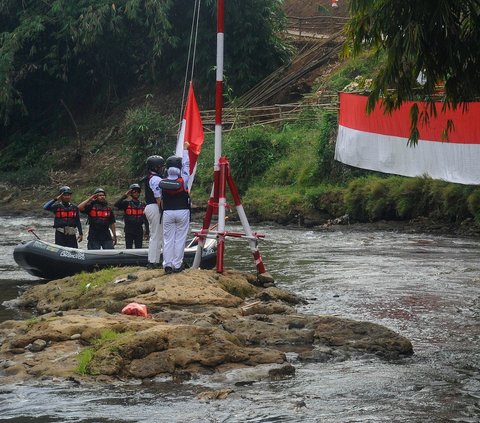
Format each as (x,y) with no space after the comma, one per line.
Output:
(424,287)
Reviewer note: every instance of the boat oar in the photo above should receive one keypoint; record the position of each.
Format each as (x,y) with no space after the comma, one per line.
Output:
(32,231)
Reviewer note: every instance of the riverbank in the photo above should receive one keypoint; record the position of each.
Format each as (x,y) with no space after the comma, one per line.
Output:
(28,202)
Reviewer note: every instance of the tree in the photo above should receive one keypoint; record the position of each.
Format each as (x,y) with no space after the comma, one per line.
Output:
(253,43)
(59,55)
(75,51)
(435,38)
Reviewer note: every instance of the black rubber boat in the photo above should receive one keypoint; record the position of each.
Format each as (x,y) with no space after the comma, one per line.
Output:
(51,261)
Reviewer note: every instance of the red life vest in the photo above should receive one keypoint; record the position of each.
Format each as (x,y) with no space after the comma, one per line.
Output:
(65,215)
(99,215)
(134,213)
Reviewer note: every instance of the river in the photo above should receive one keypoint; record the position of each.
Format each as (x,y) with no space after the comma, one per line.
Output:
(425,287)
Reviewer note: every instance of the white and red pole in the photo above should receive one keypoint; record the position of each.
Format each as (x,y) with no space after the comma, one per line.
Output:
(222,176)
(218,135)
(219,83)
(214,196)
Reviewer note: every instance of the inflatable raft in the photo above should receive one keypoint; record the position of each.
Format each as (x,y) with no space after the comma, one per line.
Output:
(51,261)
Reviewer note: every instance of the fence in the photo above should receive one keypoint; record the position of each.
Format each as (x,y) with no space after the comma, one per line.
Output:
(269,115)
(315,26)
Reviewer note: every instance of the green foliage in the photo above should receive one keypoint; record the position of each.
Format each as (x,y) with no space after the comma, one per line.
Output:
(326,145)
(439,40)
(85,357)
(374,198)
(31,322)
(75,51)
(395,197)
(295,162)
(455,203)
(355,200)
(365,65)
(23,152)
(412,197)
(27,160)
(89,281)
(254,46)
(89,53)
(107,338)
(148,132)
(281,204)
(326,198)
(473,204)
(251,152)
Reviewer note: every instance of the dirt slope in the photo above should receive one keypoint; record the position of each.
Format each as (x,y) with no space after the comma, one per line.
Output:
(305,8)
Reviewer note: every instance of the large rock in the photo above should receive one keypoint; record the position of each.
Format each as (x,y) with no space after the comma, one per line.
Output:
(200,322)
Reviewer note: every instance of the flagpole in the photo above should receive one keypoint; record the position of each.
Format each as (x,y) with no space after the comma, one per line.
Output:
(218,132)
(223,178)
(219,83)
(217,154)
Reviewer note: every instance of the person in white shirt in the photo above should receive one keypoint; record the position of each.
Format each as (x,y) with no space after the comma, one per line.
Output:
(153,209)
(176,211)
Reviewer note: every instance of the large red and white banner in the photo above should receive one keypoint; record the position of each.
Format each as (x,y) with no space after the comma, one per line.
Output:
(378,141)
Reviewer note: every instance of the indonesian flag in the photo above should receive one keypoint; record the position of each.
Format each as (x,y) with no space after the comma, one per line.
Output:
(378,141)
(192,132)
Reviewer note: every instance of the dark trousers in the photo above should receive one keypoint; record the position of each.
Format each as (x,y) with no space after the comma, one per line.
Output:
(131,239)
(66,240)
(95,244)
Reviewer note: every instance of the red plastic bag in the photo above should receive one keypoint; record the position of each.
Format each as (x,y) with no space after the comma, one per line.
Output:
(135,309)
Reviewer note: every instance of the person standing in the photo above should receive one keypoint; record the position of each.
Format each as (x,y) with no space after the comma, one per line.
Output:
(101,220)
(67,219)
(153,209)
(176,211)
(133,216)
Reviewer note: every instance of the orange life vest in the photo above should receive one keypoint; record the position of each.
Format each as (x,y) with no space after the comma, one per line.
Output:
(99,215)
(134,213)
(65,215)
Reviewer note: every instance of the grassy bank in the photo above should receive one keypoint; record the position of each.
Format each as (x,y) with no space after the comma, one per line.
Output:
(290,176)
(285,174)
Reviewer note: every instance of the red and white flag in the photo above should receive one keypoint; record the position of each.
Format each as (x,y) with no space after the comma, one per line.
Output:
(378,141)
(192,132)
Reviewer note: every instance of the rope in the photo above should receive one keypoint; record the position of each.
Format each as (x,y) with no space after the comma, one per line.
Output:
(193,41)
(196,37)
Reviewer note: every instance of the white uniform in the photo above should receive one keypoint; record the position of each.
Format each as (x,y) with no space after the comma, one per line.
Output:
(152,212)
(176,222)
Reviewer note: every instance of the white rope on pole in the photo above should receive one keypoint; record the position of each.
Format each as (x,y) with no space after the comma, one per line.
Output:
(192,42)
(196,38)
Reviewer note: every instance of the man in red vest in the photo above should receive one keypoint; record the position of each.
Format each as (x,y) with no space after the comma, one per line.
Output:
(67,219)
(133,217)
(101,219)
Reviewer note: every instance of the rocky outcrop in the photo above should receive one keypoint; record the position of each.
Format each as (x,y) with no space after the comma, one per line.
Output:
(199,322)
